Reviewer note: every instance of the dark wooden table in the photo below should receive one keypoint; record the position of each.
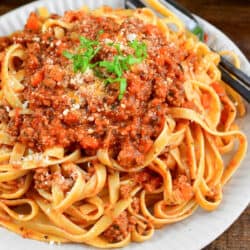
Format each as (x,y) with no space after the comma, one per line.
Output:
(233,18)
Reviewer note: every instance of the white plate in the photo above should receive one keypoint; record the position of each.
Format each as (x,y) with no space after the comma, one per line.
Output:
(198,230)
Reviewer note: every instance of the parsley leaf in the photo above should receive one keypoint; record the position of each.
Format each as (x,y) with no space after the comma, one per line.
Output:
(100,32)
(199,32)
(87,43)
(123,87)
(86,52)
(118,48)
(68,55)
(140,49)
(133,60)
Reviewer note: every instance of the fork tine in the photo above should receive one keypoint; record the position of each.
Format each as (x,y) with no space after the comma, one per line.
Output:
(235,84)
(133,4)
(236,72)
(129,5)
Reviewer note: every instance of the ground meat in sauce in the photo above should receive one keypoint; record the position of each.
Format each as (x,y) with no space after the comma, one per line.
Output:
(4,117)
(120,228)
(148,179)
(44,179)
(182,189)
(125,190)
(74,110)
(4,42)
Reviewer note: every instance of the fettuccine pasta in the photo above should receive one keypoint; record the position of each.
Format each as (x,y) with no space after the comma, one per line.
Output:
(113,124)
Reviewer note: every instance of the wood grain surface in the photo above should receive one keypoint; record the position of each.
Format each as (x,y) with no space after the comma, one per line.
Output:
(233,18)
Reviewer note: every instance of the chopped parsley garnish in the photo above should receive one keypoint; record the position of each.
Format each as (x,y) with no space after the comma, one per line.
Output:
(114,69)
(85,53)
(122,85)
(87,43)
(140,49)
(112,66)
(100,32)
(199,32)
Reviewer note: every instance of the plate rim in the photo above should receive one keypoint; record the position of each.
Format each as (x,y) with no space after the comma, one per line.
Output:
(203,243)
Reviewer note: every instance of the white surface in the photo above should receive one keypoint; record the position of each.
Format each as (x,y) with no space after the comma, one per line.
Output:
(198,230)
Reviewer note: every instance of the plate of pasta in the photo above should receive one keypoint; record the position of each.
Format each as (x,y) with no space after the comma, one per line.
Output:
(116,130)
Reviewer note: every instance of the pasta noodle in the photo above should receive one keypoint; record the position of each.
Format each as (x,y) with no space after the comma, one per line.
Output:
(106,139)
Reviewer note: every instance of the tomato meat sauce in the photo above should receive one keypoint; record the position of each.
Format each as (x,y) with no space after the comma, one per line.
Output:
(76,109)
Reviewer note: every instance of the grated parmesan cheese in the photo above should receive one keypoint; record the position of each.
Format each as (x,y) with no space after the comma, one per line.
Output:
(122,46)
(59,42)
(49,61)
(169,80)
(12,83)
(77,79)
(36,39)
(107,40)
(30,151)
(7,108)
(91,118)
(106,106)
(90,131)
(25,104)
(65,112)
(46,158)
(33,157)
(16,162)
(75,106)
(131,37)
(88,72)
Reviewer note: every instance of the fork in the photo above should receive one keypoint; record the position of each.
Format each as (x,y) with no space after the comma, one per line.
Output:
(233,76)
